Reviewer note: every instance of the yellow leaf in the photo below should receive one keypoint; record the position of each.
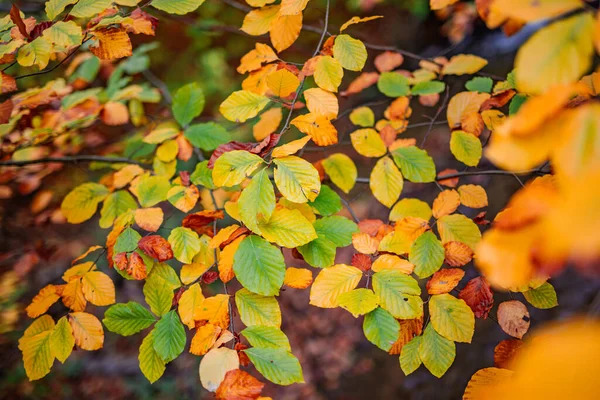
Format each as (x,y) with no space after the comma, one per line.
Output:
(341,171)
(256,82)
(367,142)
(258,22)
(222,236)
(287,228)
(290,148)
(126,174)
(532,11)
(351,53)
(297,179)
(292,7)
(538,67)
(484,381)
(390,261)
(412,227)
(298,278)
(464,103)
(410,208)
(359,301)
(82,202)
(98,288)
(35,346)
(268,123)
(255,58)
(204,339)
(190,305)
(215,364)
(42,301)
(321,103)
(215,310)
(464,64)
(226,260)
(284,31)
(234,166)
(184,198)
(242,105)
(191,272)
(364,243)
(282,83)
(149,219)
(87,331)
(446,203)
(358,20)
(328,73)
(473,196)
(331,283)
(319,128)
(386,181)
(36,52)
(111,43)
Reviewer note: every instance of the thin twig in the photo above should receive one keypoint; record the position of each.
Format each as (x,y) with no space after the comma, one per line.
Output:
(71,160)
(159,84)
(435,117)
(350,210)
(472,173)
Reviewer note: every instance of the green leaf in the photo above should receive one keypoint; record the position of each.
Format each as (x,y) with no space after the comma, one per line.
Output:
(169,337)
(277,365)
(185,244)
(202,175)
(207,136)
(362,116)
(233,167)
(466,147)
(319,253)
(82,202)
(257,201)
(415,164)
(458,228)
(64,35)
(266,337)
(480,84)
(341,170)
(116,203)
(151,365)
(158,295)
(243,105)
(62,340)
(381,328)
(188,101)
(452,318)
(297,179)
(152,190)
(436,352)
(410,359)
(398,293)
(89,8)
(427,254)
(288,228)
(543,297)
(127,319)
(430,87)
(393,84)
(177,6)
(127,241)
(255,309)
(35,346)
(327,203)
(351,53)
(516,103)
(55,7)
(359,301)
(165,273)
(259,266)
(337,229)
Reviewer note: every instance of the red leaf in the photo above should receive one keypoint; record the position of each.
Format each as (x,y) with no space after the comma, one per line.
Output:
(479,296)
(156,247)
(5,111)
(185,178)
(239,385)
(240,347)
(362,262)
(121,261)
(199,221)
(15,16)
(136,268)
(226,148)
(209,277)
(40,28)
(266,145)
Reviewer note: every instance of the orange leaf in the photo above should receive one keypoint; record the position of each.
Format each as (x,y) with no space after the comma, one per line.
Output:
(156,247)
(390,261)
(445,203)
(462,104)
(136,268)
(412,227)
(318,127)
(506,351)
(513,318)
(484,381)
(457,254)
(216,310)
(298,278)
(450,182)
(239,385)
(473,196)
(364,243)
(42,301)
(444,280)
(149,219)
(363,81)
(87,331)
(225,266)
(112,43)
(479,296)
(399,109)
(203,340)
(388,61)
(409,328)
(115,113)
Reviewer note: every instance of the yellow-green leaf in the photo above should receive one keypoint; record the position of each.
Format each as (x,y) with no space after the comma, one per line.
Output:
(287,228)
(466,147)
(243,105)
(359,301)
(386,182)
(62,340)
(257,201)
(297,179)
(367,142)
(81,203)
(328,73)
(331,283)
(177,6)
(351,53)
(341,170)
(452,318)
(436,352)
(458,228)
(234,166)
(256,309)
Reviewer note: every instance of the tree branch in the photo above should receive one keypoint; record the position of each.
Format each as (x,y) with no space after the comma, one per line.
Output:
(71,160)
(475,173)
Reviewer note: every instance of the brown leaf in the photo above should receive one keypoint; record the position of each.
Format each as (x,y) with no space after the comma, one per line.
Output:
(156,247)
(120,261)
(457,254)
(409,328)
(239,385)
(498,100)
(429,100)
(505,351)
(5,111)
(142,23)
(266,145)
(7,83)
(199,221)
(240,347)
(388,61)
(15,16)
(136,268)
(450,182)
(225,148)
(112,43)
(362,262)
(513,318)
(479,296)
(444,280)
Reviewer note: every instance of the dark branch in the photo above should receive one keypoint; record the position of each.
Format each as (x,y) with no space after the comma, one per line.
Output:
(71,160)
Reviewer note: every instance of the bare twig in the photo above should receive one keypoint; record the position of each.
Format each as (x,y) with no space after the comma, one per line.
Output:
(71,160)
(437,114)
(159,84)
(473,173)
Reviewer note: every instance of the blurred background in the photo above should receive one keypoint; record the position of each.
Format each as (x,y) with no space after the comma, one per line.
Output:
(338,362)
